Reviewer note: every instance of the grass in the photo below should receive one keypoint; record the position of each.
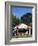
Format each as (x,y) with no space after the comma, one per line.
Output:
(23,36)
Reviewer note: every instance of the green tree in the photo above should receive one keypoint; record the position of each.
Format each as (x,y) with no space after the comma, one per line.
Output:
(27,18)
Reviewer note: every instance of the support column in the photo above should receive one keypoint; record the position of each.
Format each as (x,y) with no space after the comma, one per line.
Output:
(29,31)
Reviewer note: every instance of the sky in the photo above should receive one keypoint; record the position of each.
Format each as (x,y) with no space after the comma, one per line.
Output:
(20,11)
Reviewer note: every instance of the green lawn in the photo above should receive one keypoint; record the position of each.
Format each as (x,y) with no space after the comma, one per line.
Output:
(23,36)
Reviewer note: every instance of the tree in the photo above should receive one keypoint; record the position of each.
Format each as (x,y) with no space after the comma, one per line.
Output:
(15,21)
(27,18)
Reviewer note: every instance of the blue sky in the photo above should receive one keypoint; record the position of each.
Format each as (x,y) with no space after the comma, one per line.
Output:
(19,11)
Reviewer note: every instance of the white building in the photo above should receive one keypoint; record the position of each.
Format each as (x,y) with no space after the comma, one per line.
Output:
(23,26)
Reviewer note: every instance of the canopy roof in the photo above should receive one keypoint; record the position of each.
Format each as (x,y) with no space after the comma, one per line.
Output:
(22,26)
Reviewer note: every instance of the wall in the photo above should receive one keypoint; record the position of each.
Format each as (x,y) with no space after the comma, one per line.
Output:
(2,23)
